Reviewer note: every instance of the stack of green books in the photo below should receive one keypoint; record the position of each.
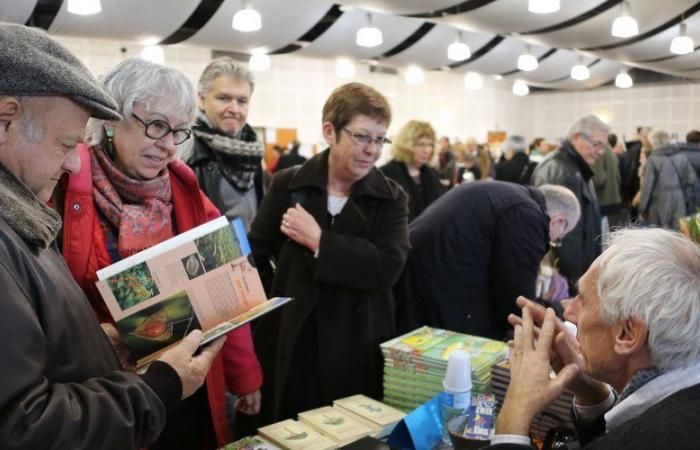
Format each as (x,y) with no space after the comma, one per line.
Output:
(415,364)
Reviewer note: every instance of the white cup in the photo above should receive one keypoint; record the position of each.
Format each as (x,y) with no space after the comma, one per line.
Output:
(458,377)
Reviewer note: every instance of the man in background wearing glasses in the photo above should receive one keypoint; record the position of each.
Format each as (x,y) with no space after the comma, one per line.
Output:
(570,166)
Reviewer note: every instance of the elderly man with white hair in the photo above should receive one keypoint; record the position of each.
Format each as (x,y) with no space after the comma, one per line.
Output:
(570,166)
(634,366)
(516,167)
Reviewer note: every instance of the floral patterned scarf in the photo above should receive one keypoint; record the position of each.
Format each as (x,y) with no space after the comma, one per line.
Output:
(139,210)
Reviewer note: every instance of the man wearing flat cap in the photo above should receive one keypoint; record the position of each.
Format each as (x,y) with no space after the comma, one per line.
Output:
(61,384)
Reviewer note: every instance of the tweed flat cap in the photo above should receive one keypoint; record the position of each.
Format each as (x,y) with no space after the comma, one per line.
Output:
(33,64)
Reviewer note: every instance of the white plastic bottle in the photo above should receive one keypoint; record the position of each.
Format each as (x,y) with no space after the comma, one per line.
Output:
(458,394)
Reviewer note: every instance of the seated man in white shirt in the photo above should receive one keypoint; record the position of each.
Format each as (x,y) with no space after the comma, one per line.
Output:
(638,317)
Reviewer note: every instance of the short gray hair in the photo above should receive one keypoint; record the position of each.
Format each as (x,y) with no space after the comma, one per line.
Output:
(653,275)
(34,122)
(560,200)
(659,139)
(223,66)
(588,125)
(516,143)
(156,86)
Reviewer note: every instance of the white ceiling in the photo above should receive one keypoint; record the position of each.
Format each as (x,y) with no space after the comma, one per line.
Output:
(505,23)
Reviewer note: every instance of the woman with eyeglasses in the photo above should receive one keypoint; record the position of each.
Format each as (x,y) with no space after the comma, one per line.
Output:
(132,193)
(412,150)
(331,233)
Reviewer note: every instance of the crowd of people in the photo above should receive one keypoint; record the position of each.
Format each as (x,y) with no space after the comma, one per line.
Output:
(444,234)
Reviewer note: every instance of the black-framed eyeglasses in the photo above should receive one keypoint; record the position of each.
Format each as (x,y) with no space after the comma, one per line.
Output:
(595,144)
(157,129)
(364,140)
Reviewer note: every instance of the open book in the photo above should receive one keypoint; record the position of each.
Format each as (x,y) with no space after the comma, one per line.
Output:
(201,279)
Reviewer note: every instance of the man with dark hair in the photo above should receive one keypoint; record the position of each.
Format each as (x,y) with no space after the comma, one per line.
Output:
(61,384)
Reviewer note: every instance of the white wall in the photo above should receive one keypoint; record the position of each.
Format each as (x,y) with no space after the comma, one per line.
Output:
(291,94)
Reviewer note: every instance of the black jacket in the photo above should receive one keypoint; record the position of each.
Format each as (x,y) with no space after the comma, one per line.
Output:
(516,170)
(473,252)
(419,197)
(582,245)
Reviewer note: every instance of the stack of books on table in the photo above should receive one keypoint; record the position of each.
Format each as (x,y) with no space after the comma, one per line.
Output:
(558,413)
(330,427)
(415,364)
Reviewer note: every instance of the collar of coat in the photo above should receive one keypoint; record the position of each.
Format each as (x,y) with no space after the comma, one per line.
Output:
(28,216)
(569,150)
(314,173)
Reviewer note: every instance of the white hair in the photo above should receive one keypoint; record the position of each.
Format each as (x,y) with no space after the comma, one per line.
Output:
(560,200)
(587,125)
(515,143)
(654,275)
(223,66)
(660,139)
(156,86)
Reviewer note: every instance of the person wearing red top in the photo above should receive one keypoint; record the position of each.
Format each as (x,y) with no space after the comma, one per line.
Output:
(132,193)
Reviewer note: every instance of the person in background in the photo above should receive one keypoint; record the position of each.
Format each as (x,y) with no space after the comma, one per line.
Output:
(607,183)
(290,157)
(412,150)
(538,150)
(446,162)
(667,183)
(467,170)
(61,383)
(515,167)
(570,166)
(475,250)
(631,182)
(691,149)
(131,193)
(633,366)
(485,161)
(226,154)
(336,231)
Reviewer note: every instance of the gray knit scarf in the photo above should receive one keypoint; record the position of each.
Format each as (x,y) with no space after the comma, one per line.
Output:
(31,218)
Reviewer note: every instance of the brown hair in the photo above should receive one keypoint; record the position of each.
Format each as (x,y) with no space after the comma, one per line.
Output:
(408,137)
(693,137)
(351,99)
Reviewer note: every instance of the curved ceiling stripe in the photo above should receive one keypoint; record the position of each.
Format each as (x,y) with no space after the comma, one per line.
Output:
(576,20)
(44,13)
(199,17)
(664,26)
(456,9)
(314,32)
(663,58)
(569,76)
(546,55)
(479,53)
(410,40)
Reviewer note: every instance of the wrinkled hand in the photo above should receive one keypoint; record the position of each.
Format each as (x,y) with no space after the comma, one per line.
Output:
(122,351)
(301,227)
(249,404)
(192,369)
(531,390)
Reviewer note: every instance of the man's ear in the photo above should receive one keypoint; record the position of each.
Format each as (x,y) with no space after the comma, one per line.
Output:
(632,336)
(10,111)
(328,133)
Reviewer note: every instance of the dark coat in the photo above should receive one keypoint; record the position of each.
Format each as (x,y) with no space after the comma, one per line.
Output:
(582,245)
(472,253)
(290,159)
(343,307)
(518,169)
(692,152)
(419,197)
(670,424)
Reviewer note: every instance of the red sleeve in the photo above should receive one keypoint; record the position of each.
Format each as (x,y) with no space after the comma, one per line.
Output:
(210,211)
(241,367)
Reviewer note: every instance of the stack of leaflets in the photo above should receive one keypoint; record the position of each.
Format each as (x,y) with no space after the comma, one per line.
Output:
(556,414)
(250,443)
(415,364)
(335,424)
(379,417)
(200,279)
(292,435)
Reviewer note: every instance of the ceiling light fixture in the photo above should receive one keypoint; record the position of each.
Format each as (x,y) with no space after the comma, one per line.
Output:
(625,26)
(473,81)
(84,7)
(458,50)
(520,88)
(414,75)
(579,71)
(527,61)
(543,6)
(246,19)
(682,44)
(259,61)
(153,53)
(369,36)
(623,80)
(344,68)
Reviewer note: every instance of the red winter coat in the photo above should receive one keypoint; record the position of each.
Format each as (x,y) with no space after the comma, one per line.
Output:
(85,252)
